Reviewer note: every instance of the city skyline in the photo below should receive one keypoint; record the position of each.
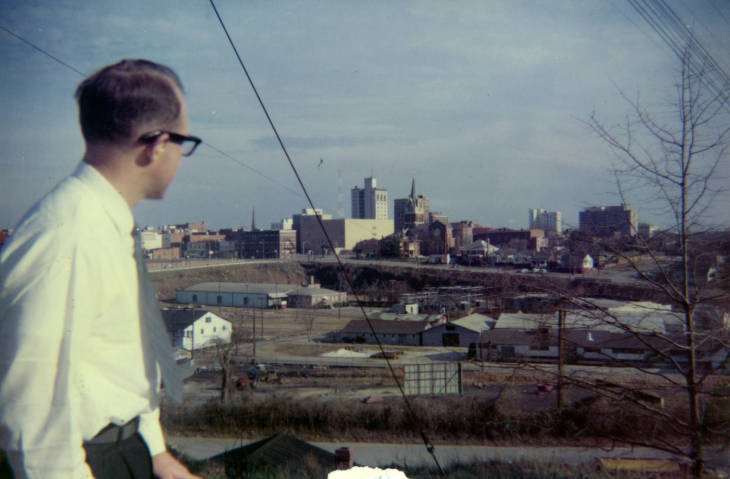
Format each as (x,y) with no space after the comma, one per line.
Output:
(482,104)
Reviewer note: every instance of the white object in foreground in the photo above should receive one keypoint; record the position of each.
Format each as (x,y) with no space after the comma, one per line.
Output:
(367,473)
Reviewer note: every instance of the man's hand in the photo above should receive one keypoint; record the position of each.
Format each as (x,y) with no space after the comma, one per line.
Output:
(165,466)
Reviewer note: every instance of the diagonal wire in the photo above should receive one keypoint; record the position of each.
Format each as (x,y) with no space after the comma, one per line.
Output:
(675,34)
(209,145)
(36,47)
(427,443)
(236,160)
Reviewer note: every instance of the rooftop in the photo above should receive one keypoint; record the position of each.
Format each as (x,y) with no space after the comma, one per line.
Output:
(257,288)
(383,326)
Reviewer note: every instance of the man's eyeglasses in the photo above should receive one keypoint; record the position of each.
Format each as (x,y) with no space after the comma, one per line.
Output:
(188,144)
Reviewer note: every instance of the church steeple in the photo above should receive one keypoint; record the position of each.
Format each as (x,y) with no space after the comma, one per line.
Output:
(253,219)
(413,189)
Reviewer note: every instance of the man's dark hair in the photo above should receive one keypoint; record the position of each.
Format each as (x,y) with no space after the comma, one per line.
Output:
(120,97)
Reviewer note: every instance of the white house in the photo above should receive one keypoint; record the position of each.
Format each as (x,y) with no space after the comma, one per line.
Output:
(195,328)
(586,264)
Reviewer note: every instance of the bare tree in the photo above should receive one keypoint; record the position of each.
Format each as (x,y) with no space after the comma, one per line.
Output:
(309,318)
(675,163)
(225,352)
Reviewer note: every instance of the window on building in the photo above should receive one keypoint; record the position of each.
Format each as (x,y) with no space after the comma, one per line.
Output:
(219,299)
(214,329)
(245,300)
(224,328)
(202,331)
(195,298)
(208,319)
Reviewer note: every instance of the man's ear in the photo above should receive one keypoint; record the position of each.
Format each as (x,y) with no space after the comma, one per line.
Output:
(152,151)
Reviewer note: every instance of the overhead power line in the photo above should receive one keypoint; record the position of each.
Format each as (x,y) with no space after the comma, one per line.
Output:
(209,145)
(36,47)
(685,45)
(411,411)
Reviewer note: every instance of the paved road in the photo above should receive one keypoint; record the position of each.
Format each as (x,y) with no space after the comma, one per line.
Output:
(382,455)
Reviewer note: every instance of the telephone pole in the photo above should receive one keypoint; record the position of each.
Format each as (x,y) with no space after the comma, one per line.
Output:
(561,348)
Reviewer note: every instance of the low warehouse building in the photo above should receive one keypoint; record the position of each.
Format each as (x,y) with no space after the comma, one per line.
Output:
(461,332)
(247,295)
(388,331)
(259,295)
(314,296)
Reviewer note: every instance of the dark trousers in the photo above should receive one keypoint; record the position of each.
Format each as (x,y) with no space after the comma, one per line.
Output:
(125,459)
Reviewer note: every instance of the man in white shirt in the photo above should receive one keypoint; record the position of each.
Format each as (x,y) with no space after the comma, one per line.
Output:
(81,346)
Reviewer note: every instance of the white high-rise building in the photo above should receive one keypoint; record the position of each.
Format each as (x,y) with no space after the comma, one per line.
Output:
(370,202)
(541,219)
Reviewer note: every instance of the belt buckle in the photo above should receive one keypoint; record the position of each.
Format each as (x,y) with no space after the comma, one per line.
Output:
(114,433)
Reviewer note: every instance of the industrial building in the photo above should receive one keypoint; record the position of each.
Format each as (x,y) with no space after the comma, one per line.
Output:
(604,221)
(388,331)
(259,295)
(308,216)
(593,347)
(460,332)
(345,233)
(268,244)
(532,240)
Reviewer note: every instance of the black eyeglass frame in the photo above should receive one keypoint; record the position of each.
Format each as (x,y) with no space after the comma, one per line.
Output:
(174,137)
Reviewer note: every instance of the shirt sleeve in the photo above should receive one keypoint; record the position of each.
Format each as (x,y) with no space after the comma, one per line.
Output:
(44,302)
(151,432)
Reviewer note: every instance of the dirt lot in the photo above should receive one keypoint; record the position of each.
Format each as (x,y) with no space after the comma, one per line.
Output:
(301,365)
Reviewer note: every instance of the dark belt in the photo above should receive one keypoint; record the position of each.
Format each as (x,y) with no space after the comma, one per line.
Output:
(114,433)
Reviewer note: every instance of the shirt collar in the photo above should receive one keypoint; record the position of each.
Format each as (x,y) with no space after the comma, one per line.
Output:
(110,199)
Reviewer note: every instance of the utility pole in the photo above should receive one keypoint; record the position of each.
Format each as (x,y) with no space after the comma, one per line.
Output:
(192,339)
(253,310)
(561,348)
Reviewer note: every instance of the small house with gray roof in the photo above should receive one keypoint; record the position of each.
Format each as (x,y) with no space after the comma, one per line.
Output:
(193,329)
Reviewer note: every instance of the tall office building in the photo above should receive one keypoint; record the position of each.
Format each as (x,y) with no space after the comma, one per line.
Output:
(411,212)
(541,219)
(370,202)
(605,221)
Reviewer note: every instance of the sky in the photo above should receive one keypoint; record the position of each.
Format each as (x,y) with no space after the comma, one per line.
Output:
(484,103)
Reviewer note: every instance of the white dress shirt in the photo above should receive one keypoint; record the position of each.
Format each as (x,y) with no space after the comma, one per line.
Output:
(72,352)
